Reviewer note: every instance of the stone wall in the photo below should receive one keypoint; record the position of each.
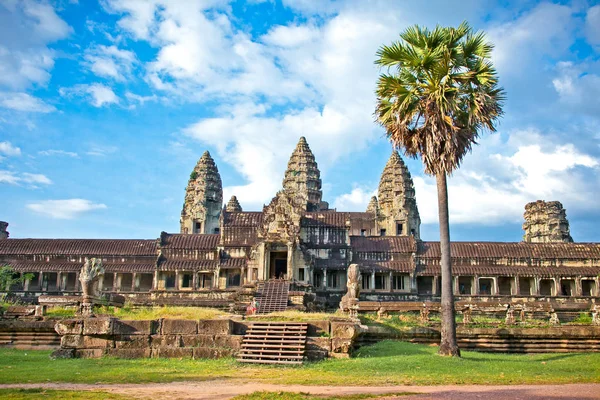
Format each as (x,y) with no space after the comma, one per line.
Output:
(3,231)
(546,222)
(97,337)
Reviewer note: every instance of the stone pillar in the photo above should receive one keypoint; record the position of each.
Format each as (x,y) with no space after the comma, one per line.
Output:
(391,282)
(536,286)
(25,284)
(155,280)
(476,284)
(118,279)
(100,283)
(373,281)
(41,280)
(64,280)
(557,291)
(496,289)
(578,288)
(325,279)
(133,281)
(58,281)
(242,276)
(176,279)
(195,280)
(434,282)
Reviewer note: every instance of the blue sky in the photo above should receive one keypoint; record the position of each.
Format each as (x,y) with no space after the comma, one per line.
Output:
(105,108)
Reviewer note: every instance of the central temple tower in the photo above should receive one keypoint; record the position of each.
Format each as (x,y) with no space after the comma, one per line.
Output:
(303,179)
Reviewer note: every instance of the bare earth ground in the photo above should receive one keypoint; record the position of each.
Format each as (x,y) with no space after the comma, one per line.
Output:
(225,389)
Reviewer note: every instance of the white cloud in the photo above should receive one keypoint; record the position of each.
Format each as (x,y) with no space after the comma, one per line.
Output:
(547,30)
(141,100)
(65,209)
(14,178)
(53,152)
(592,25)
(24,102)
(577,87)
(110,62)
(291,36)
(48,24)
(8,149)
(97,94)
(101,150)
(357,200)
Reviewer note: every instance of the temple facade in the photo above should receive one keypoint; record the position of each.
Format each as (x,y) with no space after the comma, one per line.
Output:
(222,249)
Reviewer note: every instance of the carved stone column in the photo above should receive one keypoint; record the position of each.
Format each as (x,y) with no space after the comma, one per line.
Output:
(133,282)
(391,281)
(373,280)
(195,280)
(58,281)
(517,288)
(325,279)
(155,280)
(176,279)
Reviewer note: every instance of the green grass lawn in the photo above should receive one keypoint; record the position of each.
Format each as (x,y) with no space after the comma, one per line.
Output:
(386,363)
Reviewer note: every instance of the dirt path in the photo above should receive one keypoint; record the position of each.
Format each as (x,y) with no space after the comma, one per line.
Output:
(225,389)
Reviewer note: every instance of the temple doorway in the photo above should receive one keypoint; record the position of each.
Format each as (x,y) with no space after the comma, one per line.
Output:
(278,265)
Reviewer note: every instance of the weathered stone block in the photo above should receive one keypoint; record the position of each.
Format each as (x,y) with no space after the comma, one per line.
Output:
(172,352)
(149,327)
(238,328)
(316,355)
(318,344)
(69,327)
(98,326)
(229,341)
(212,352)
(165,341)
(132,341)
(344,330)
(71,341)
(341,345)
(129,353)
(198,340)
(62,353)
(318,328)
(84,342)
(171,326)
(215,326)
(89,353)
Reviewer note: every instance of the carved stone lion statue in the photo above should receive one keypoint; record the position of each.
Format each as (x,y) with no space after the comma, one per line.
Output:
(350,299)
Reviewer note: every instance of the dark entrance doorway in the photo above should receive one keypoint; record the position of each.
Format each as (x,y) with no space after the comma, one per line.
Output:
(278,269)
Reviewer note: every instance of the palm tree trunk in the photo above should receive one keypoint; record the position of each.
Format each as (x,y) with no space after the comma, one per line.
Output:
(448,346)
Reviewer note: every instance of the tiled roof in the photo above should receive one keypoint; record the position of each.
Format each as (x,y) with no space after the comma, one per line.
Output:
(239,236)
(82,247)
(392,244)
(196,265)
(396,266)
(191,242)
(242,219)
(233,263)
(513,250)
(502,270)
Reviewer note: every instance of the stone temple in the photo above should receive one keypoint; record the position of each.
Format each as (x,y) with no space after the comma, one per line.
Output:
(222,250)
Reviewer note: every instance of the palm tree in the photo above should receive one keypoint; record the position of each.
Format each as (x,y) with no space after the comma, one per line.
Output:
(439,94)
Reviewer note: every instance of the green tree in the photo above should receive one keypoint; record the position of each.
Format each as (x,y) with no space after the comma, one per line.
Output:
(439,93)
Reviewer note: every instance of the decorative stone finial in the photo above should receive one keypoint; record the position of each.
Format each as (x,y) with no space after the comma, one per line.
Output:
(3,232)
(546,222)
(302,178)
(203,198)
(396,198)
(233,205)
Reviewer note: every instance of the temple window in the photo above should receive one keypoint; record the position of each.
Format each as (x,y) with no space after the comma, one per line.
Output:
(300,274)
(382,232)
(588,287)
(186,280)
(363,232)
(399,229)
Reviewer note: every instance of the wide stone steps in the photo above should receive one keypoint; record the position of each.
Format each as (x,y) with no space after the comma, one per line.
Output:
(274,343)
(272,296)
(30,340)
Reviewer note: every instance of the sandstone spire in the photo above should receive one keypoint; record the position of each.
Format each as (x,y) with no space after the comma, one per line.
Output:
(3,231)
(397,201)
(203,198)
(546,222)
(302,178)
(233,205)
(373,206)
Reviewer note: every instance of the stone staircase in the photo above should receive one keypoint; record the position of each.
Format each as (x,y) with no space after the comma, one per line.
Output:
(272,296)
(274,343)
(29,340)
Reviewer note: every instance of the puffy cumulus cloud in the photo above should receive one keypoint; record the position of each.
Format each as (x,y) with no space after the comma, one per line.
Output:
(26,29)
(14,178)
(109,62)
(7,149)
(357,200)
(24,102)
(577,87)
(65,209)
(97,94)
(592,25)
(546,30)
(493,187)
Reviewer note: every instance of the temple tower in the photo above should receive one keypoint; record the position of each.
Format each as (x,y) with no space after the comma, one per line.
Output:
(3,231)
(373,206)
(398,212)
(203,198)
(303,179)
(233,205)
(546,222)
